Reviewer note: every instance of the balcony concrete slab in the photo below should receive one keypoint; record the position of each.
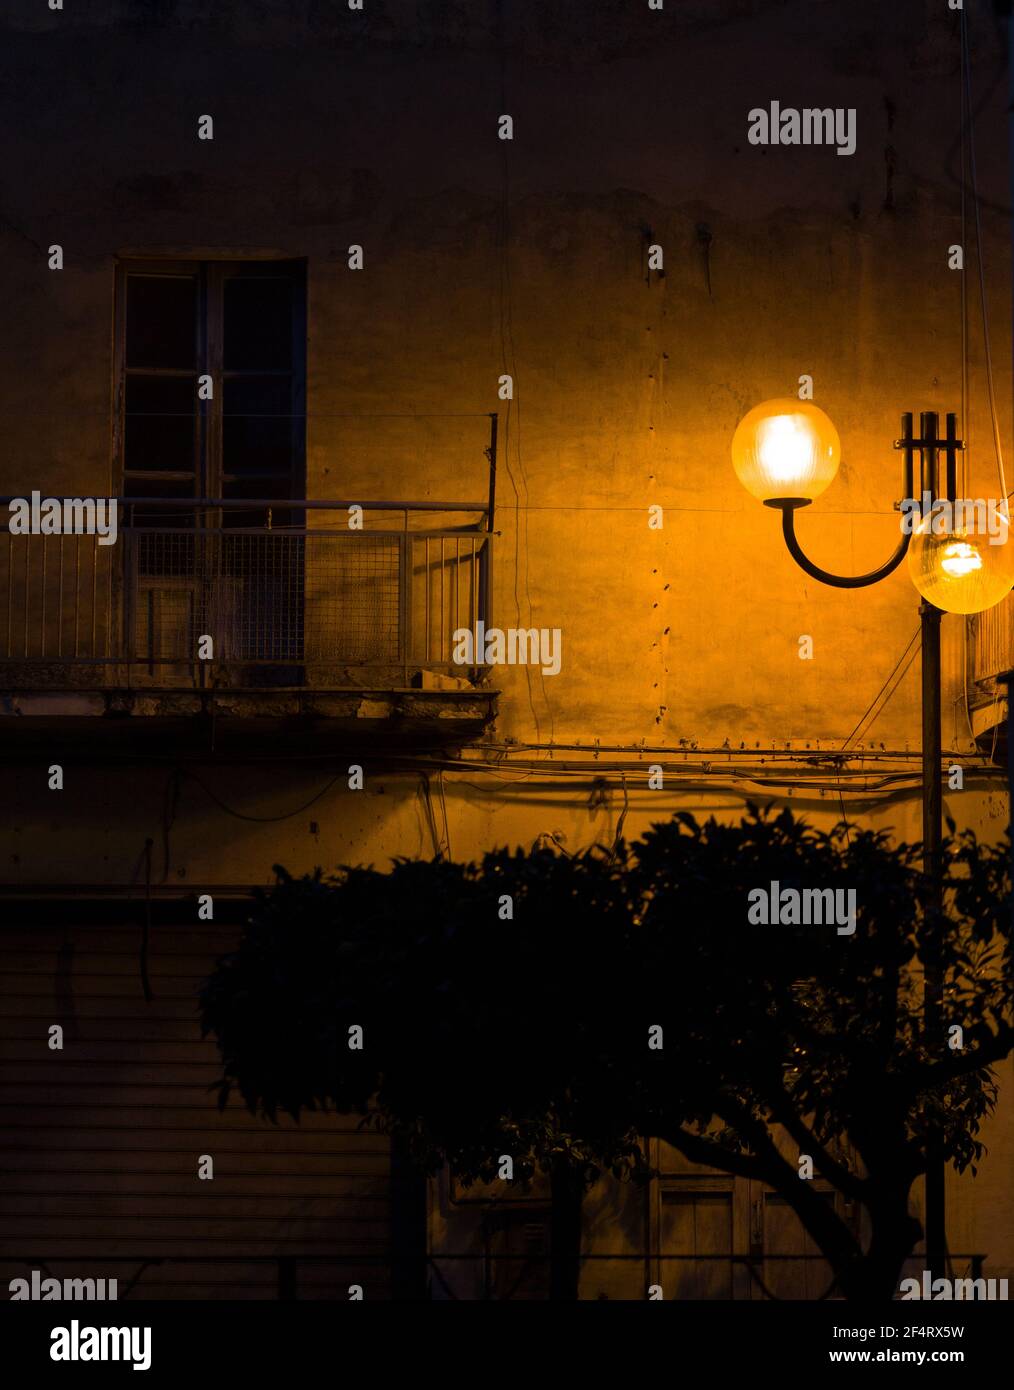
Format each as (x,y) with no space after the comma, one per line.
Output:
(236,723)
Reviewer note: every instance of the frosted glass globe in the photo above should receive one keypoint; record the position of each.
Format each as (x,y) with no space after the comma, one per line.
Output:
(962,569)
(786,448)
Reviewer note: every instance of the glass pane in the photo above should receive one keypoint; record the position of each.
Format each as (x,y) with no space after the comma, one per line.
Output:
(257,487)
(159,423)
(258,323)
(161,321)
(135,485)
(257,428)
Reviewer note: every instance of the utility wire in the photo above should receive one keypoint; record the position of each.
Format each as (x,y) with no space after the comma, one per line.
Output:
(966,67)
(913,638)
(962,279)
(242,815)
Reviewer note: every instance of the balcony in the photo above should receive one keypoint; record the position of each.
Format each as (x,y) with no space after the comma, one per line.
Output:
(990,652)
(262,617)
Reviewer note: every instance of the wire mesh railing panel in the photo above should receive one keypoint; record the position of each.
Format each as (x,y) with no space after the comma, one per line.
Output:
(311,602)
(353,598)
(271,596)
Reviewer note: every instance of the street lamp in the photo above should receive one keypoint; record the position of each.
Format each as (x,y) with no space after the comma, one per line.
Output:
(959,568)
(786,449)
(786,452)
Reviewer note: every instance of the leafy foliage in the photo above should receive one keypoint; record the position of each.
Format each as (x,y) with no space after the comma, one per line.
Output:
(529,1036)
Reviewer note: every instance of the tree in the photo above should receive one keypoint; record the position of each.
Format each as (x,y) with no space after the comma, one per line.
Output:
(464,980)
(506,1009)
(817,1036)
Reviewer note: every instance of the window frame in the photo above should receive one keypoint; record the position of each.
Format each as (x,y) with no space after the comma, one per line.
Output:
(211,276)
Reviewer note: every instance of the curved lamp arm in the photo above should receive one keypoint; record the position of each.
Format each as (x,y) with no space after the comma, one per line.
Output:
(788,506)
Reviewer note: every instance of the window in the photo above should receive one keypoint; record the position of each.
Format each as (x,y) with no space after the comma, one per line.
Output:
(238,328)
(241,323)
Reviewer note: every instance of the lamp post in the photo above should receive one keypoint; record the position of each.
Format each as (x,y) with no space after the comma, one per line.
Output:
(786,452)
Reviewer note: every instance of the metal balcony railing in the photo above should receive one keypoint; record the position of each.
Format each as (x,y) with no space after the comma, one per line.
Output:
(992,644)
(216,592)
(989,652)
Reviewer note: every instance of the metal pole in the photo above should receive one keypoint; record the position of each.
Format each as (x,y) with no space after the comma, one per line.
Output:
(494,422)
(932,835)
(1008,679)
(951,449)
(928,435)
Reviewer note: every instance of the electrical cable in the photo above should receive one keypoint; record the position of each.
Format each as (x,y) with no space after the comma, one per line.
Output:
(962,279)
(880,692)
(966,424)
(844,818)
(622,817)
(424,787)
(987,350)
(170,801)
(443,804)
(522,575)
(744,783)
(242,815)
(967,128)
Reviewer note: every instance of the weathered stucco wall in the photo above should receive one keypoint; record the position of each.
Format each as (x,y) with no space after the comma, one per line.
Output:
(529,258)
(628,384)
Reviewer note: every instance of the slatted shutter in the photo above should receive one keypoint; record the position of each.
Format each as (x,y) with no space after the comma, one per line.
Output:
(99,1142)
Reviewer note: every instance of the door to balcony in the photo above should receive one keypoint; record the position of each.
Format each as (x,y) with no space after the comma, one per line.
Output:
(211,396)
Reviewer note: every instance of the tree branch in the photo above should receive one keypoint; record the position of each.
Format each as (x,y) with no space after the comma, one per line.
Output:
(940,1073)
(713,1155)
(789,1118)
(827,1228)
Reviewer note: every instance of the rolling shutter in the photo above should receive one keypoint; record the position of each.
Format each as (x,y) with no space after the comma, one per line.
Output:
(100,1142)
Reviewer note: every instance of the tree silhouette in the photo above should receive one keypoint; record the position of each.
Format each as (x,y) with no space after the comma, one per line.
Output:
(506,1009)
(791,1040)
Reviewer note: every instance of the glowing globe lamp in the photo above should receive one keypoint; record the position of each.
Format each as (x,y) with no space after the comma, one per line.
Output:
(786,448)
(961,568)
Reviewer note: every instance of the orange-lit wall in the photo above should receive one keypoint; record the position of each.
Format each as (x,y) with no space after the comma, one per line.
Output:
(630,129)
